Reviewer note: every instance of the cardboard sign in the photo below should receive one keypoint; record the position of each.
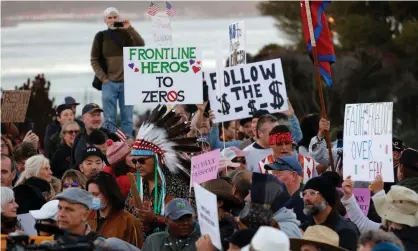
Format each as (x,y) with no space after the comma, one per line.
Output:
(161,30)
(207,210)
(246,89)
(165,75)
(15,105)
(205,167)
(237,53)
(28,223)
(367,149)
(362,196)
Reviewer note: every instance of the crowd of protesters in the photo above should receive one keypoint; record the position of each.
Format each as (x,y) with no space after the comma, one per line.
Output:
(80,182)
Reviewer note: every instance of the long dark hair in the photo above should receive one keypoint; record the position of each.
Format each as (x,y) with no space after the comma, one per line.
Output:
(109,188)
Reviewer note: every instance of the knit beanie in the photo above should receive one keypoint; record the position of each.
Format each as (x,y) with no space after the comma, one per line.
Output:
(325,186)
(116,151)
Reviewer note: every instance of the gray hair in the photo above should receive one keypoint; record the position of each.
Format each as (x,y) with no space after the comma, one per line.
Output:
(33,166)
(7,195)
(375,237)
(64,128)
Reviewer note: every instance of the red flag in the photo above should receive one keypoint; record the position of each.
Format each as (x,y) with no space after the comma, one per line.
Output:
(322,34)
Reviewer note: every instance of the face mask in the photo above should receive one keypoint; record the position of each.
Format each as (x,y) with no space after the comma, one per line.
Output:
(97,204)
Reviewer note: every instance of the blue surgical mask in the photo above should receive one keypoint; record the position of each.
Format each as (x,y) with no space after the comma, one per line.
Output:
(97,204)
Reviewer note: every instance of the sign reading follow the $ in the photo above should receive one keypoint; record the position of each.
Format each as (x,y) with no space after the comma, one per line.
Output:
(170,75)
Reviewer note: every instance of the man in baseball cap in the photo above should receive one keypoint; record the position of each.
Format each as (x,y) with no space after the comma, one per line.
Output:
(47,215)
(408,169)
(91,161)
(180,228)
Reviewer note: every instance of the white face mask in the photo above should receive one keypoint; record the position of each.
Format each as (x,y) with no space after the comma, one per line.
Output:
(97,204)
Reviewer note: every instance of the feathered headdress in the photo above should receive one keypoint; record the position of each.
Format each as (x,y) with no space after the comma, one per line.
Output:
(162,135)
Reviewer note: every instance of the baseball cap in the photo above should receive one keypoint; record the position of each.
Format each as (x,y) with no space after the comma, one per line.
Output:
(177,208)
(110,10)
(47,212)
(397,144)
(269,239)
(286,163)
(92,151)
(409,158)
(61,108)
(260,113)
(91,108)
(70,101)
(77,196)
(232,152)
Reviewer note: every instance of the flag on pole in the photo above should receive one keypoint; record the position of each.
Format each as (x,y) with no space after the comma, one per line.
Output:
(111,127)
(170,10)
(322,34)
(152,9)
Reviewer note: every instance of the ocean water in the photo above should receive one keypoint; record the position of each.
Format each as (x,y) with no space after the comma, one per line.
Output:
(61,50)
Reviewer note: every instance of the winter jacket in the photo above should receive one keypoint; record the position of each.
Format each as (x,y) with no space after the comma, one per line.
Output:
(61,161)
(346,230)
(118,224)
(162,241)
(409,237)
(288,223)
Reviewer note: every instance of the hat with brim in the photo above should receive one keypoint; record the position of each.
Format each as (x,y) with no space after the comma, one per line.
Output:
(320,236)
(223,191)
(296,244)
(70,101)
(178,208)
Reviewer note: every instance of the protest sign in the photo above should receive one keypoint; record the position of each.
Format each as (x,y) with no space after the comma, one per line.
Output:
(237,44)
(207,210)
(362,196)
(27,222)
(205,167)
(161,30)
(367,148)
(247,88)
(170,75)
(14,106)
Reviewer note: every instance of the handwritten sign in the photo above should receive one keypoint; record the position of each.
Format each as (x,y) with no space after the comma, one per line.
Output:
(362,196)
(14,106)
(237,53)
(170,75)
(367,145)
(161,30)
(205,167)
(27,222)
(207,210)
(246,89)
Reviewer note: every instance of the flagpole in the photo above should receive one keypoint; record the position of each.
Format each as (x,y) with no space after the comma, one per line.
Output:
(318,80)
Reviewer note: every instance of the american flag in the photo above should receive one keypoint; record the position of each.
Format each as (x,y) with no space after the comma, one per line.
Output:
(121,135)
(114,129)
(170,10)
(152,9)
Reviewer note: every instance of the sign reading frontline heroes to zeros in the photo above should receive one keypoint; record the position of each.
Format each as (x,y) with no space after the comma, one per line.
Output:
(170,75)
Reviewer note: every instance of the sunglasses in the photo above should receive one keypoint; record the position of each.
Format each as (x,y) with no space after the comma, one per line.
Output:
(239,160)
(140,161)
(72,131)
(74,184)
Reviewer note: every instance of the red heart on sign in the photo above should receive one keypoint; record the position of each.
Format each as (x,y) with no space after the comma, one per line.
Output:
(196,69)
(136,70)
(198,62)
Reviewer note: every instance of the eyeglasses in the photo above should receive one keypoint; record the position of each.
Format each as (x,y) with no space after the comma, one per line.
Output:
(72,131)
(140,161)
(311,193)
(74,184)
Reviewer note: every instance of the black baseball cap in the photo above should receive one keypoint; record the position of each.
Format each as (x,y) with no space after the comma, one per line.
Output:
(89,108)
(260,113)
(92,151)
(61,108)
(70,101)
(409,159)
(397,144)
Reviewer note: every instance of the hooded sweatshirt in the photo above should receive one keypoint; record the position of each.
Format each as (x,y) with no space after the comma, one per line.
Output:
(288,222)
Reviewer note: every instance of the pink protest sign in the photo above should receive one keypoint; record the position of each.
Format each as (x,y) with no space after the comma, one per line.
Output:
(205,167)
(362,196)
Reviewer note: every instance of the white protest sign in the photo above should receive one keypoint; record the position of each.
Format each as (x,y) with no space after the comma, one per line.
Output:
(161,30)
(207,210)
(237,53)
(248,88)
(166,75)
(367,145)
(28,223)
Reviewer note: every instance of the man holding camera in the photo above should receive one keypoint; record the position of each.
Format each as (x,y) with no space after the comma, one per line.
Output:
(107,63)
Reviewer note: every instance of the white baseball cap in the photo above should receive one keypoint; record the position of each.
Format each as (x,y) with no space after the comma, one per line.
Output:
(48,211)
(110,10)
(269,239)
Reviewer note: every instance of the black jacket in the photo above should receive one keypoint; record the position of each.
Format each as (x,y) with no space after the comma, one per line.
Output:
(346,230)
(61,161)
(409,237)
(80,143)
